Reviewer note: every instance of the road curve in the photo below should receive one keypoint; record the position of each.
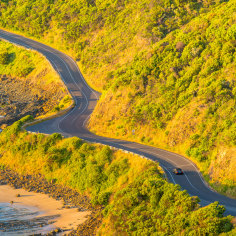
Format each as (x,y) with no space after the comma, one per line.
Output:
(73,124)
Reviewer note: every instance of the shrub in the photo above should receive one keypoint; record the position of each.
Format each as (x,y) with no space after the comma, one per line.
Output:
(4,58)
(137,200)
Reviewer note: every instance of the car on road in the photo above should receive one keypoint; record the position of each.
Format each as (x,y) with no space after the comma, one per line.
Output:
(178,171)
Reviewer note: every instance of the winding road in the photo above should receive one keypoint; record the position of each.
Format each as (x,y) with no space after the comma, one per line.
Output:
(73,124)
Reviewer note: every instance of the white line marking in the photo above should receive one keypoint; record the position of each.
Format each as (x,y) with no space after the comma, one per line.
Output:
(27,46)
(189,163)
(170,174)
(97,98)
(190,182)
(83,77)
(85,121)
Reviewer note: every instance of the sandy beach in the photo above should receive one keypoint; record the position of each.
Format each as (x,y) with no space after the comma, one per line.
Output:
(68,219)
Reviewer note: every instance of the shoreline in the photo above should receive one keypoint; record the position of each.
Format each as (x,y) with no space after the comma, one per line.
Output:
(63,208)
(63,218)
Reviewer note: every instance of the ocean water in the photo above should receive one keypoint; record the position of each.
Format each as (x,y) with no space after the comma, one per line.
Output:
(21,220)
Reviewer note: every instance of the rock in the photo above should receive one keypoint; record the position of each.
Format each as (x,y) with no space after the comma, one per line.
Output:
(70,197)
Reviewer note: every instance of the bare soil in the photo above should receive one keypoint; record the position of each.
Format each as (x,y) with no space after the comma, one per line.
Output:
(26,96)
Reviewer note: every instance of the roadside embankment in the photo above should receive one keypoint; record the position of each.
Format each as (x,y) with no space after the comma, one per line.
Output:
(29,85)
(125,193)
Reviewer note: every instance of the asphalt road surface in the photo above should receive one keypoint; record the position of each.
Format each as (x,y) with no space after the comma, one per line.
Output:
(74,124)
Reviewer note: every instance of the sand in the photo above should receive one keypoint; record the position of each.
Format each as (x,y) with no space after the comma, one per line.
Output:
(69,218)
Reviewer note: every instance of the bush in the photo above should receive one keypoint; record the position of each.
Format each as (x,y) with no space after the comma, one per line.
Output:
(136,198)
(23,72)
(4,57)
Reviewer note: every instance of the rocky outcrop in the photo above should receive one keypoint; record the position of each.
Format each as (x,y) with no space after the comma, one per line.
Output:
(71,198)
(26,96)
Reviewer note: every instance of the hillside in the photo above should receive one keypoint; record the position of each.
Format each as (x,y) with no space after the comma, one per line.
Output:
(103,35)
(166,69)
(29,85)
(130,194)
(181,96)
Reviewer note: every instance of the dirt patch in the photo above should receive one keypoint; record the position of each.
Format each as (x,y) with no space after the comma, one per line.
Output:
(26,96)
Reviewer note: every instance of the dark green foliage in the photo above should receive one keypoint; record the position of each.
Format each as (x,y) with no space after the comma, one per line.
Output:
(185,63)
(102,198)
(16,127)
(76,20)
(136,202)
(191,67)
(4,58)
(25,71)
(15,61)
(51,140)
(151,206)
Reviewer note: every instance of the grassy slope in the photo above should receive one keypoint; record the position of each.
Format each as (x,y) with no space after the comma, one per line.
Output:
(135,196)
(181,99)
(32,70)
(102,34)
(177,97)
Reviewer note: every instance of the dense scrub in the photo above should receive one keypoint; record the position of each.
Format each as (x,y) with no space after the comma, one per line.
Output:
(136,198)
(28,85)
(167,67)
(181,95)
(102,34)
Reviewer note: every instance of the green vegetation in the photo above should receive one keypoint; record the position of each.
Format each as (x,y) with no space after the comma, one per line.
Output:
(136,198)
(180,95)
(4,58)
(16,61)
(166,69)
(104,35)
(27,76)
(19,62)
